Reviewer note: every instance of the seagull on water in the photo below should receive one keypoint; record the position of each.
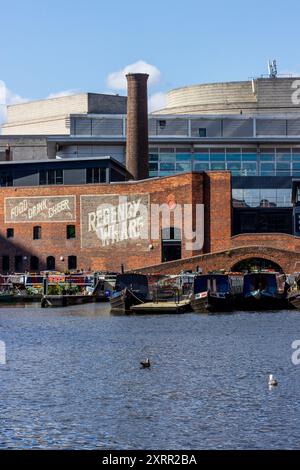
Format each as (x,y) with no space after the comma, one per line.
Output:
(272,381)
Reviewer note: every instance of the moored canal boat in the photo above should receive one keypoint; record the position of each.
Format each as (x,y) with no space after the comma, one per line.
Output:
(216,292)
(130,289)
(263,290)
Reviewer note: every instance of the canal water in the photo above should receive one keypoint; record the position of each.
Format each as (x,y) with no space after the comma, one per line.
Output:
(72,380)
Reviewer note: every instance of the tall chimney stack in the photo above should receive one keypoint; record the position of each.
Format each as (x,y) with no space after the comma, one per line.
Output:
(137,126)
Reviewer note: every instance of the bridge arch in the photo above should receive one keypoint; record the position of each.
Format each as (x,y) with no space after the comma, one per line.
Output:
(252,263)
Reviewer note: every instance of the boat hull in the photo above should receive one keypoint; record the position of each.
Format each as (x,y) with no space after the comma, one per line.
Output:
(53,301)
(262,303)
(210,304)
(121,302)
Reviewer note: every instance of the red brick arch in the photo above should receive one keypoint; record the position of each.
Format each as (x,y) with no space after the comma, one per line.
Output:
(288,260)
(249,258)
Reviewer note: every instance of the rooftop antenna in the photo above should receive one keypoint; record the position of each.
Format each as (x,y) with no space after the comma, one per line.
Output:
(272,67)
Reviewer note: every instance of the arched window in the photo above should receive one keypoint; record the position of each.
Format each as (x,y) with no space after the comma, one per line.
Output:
(37,232)
(72,262)
(34,263)
(50,263)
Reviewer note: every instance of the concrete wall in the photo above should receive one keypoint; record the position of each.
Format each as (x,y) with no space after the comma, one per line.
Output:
(263,95)
(52,116)
(25,148)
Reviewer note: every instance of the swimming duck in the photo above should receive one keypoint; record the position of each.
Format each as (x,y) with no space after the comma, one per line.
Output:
(272,381)
(145,364)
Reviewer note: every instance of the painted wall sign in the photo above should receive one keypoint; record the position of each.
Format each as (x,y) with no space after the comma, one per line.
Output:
(108,220)
(40,209)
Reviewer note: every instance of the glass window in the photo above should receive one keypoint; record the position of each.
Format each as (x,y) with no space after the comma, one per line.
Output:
(183,157)
(153,174)
(267,169)
(217,157)
(167,166)
(252,197)
(59,177)
(166,173)
(96,175)
(37,232)
(43,177)
(249,157)
(284,197)
(218,166)
(51,177)
(267,197)
(183,166)
(233,157)
(233,154)
(235,168)
(283,155)
(283,169)
(71,232)
(153,157)
(167,157)
(267,157)
(296,156)
(153,166)
(202,131)
(249,169)
(201,166)
(6,179)
(201,157)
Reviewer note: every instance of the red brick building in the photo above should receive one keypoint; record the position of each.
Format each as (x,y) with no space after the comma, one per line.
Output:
(54,228)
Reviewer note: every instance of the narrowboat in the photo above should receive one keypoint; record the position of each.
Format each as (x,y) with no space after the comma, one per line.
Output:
(264,290)
(293,292)
(216,292)
(130,289)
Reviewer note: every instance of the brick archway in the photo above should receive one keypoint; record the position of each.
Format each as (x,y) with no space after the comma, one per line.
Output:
(261,262)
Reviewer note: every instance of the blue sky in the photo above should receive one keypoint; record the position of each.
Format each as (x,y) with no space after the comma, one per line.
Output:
(53,46)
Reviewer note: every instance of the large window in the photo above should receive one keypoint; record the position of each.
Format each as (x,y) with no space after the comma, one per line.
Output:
(48,177)
(262,197)
(6,179)
(96,175)
(241,161)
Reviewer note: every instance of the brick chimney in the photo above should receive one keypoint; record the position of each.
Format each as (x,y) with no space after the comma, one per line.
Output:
(137,126)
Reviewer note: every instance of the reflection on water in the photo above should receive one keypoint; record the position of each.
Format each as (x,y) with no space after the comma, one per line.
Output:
(73,380)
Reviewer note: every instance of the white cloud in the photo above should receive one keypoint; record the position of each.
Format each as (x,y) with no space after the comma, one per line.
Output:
(59,94)
(117,80)
(157,101)
(7,97)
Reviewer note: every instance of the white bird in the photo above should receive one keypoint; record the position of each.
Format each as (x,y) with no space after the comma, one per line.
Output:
(272,381)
